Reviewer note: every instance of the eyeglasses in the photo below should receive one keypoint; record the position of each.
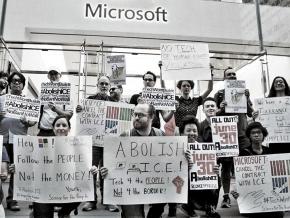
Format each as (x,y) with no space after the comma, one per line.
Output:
(14,81)
(112,89)
(103,84)
(140,115)
(231,74)
(148,80)
(253,132)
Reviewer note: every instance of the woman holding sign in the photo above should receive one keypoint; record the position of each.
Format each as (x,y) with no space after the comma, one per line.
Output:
(279,88)
(257,133)
(187,105)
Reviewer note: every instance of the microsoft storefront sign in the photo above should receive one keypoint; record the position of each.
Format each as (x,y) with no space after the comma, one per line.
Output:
(103,11)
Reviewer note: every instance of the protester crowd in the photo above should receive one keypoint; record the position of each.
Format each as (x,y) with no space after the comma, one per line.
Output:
(55,121)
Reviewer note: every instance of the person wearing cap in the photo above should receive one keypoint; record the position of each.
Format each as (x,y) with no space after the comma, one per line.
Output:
(50,111)
(256,134)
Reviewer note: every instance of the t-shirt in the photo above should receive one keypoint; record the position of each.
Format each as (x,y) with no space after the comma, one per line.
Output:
(186,107)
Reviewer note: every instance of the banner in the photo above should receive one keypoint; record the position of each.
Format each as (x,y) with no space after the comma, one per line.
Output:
(225,135)
(202,175)
(235,96)
(274,114)
(99,118)
(58,93)
(185,61)
(160,98)
(53,169)
(17,107)
(116,69)
(263,183)
(145,170)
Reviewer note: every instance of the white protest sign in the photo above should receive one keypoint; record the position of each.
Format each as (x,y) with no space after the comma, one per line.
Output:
(91,120)
(99,118)
(263,183)
(235,96)
(274,114)
(58,93)
(53,169)
(160,98)
(202,175)
(145,170)
(116,69)
(17,107)
(118,117)
(184,61)
(225,135)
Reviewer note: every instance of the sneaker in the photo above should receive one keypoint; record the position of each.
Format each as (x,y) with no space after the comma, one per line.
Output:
(13,206)
(113,208)
(211,213)
(226,203)
(187,212)
(89,206)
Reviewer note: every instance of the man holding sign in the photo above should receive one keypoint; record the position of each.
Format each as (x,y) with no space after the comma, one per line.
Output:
(227,162)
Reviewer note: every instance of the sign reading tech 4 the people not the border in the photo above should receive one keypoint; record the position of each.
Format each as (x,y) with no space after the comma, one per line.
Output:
(225,135)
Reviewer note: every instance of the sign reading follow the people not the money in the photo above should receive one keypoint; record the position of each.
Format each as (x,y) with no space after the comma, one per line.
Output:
(184,61)
(202,175)
(263,183)
(53,169)
(58,93)
(145,170)
(235,96)
(274,114)
(17,107)
(225,135)
(160,98)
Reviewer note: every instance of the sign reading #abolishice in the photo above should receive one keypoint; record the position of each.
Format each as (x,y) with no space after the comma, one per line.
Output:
(160,98)
(17,107)
(53,169)
(58,93)
(145,170)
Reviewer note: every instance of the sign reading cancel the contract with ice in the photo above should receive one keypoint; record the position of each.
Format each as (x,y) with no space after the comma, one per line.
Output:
(145,170)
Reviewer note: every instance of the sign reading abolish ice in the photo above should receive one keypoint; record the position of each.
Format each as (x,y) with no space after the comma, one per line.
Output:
(225,135)
(17,107)
(53,169)
(116,69)
(235,96)
(185,61)
(145,170)
(263,183)
(160,98)
(103,117)
(58,93)
(202,175)
(274,114)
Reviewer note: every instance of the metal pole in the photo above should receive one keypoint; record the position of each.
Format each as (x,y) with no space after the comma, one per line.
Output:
(4,5)
(259,25)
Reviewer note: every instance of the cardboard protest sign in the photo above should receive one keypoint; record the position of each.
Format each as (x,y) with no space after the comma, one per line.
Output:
(225,135)
(263,183)
(274,115)
(53,169)
(118,117)
(160,98)
(17,107)
(184,61)
(202,175)
(99,118)
(58,93)
(116,69)
(145,170)
(235,96)
(91,120)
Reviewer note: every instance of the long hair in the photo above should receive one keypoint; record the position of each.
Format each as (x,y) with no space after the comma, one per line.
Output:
(272,92)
